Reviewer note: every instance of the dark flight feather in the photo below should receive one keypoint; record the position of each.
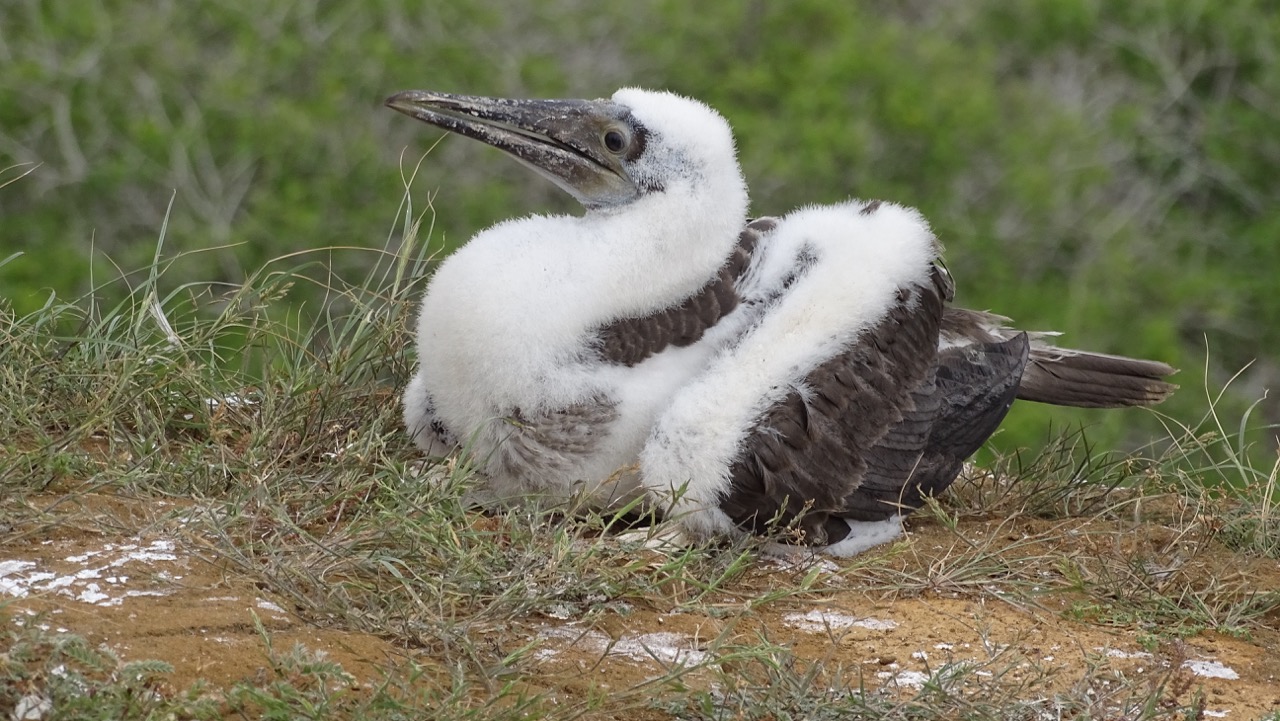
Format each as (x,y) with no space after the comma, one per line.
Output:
(810,452)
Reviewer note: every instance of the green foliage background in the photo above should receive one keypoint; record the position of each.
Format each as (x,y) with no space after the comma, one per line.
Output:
(1105,169)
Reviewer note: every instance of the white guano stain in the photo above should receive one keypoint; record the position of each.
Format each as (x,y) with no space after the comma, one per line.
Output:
(821,621)
(903,679)
(663,647)
(95,577)
(1210,669)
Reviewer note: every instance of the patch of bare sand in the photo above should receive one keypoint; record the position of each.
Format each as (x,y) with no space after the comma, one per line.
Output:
(863,642)
(874,640)
(149,595)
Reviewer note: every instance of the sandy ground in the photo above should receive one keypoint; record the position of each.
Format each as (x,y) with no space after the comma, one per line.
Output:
(148,594)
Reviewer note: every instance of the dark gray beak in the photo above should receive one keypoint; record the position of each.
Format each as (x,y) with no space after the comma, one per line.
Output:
(573,143)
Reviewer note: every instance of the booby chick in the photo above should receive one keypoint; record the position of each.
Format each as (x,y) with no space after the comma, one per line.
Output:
(803,377)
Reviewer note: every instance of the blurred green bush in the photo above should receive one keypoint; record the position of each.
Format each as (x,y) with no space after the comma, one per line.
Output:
(1104,169)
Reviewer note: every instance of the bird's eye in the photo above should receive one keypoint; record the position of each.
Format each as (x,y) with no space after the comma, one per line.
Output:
(615,141)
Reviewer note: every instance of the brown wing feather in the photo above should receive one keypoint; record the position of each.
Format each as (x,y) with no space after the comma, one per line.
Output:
(809,452)
(629,341)
(953,414)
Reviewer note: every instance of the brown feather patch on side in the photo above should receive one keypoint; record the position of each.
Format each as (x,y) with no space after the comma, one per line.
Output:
(956,411)
(808,453)
(629,341)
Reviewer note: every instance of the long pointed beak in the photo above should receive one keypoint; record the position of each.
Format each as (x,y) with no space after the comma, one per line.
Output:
(562,140)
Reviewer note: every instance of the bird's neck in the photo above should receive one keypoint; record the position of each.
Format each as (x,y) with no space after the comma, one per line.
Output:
(654,253)
(525,295)
(517,306)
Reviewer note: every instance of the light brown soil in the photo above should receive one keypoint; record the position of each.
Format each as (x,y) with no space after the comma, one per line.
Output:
(149,595)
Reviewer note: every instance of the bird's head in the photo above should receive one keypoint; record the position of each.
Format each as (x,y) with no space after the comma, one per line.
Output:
(605,153)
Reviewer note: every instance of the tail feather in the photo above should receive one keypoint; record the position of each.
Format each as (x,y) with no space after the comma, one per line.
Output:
(1066,377)
(1063,376)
